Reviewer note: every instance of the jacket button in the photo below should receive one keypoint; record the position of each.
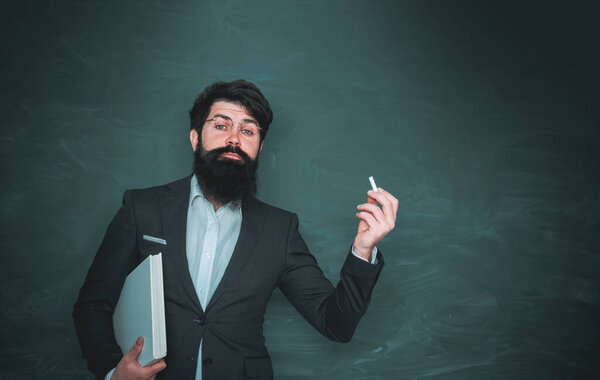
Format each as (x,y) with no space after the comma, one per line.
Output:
(207,362)
(200,320)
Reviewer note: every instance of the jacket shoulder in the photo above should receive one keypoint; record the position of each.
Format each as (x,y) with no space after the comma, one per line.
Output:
(149,197)
(182,184)
(274,211)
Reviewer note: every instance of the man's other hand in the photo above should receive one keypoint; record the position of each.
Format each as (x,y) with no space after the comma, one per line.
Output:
(375,222)
(129,368)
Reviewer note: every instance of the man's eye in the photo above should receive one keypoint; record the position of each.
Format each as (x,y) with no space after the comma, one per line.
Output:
(221,127)
(248,132)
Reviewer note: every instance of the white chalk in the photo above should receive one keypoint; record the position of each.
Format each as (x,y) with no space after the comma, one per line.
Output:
(373,185)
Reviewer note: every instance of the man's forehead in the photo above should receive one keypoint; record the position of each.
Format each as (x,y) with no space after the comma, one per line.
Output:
(231,109)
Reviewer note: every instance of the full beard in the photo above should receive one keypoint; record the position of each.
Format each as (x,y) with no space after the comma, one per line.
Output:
(224,180)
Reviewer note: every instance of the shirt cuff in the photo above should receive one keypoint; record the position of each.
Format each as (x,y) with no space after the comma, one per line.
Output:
(373,256)
(109,375)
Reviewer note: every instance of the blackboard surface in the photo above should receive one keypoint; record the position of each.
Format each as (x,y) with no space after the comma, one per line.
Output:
(482,119)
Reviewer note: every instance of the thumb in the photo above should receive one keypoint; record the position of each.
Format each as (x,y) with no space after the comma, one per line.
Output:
(137,348)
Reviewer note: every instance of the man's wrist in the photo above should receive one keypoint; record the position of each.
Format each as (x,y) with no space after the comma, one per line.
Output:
(365,253)
(372,256)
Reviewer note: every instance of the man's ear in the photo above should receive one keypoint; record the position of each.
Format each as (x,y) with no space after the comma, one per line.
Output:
(261,144)
(194,139)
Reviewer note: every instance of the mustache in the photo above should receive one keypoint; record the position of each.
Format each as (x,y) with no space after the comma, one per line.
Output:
(213,154)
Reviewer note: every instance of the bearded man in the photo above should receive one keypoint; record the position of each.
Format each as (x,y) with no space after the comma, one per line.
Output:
(224,252)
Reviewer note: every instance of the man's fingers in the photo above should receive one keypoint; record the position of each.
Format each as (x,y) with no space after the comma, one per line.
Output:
(372,236)
(392,198)
(388,202)
(136,349)
(386,205)
(158,366)
(152,370)
(375,221)
(129,368)
(368,218)
(374,210)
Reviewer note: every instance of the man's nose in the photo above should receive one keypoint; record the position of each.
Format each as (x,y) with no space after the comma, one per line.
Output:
(232,136)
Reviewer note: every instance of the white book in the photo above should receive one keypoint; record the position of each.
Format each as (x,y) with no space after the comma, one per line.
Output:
(140,311)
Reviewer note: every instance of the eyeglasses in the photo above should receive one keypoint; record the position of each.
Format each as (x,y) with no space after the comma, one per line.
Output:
(223,124)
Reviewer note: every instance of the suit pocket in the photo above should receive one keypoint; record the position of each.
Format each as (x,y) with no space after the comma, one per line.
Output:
(256,367)
(152,248)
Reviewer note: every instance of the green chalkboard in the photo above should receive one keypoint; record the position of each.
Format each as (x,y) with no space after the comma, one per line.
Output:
(481,118)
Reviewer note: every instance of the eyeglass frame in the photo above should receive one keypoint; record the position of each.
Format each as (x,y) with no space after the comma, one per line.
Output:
(240,123)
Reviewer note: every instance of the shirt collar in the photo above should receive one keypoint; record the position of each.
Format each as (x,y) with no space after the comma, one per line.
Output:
(195,189)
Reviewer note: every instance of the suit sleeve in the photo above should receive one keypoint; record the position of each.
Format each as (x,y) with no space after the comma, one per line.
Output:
(334,312)
(100,292)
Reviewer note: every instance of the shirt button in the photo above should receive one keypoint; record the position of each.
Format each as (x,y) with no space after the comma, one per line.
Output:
(207,254)
(207,362)
(202,291)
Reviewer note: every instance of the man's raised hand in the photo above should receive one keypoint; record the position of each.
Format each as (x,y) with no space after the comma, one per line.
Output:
(375,222)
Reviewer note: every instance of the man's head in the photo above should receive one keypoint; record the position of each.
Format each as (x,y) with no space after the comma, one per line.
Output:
(229,122)
(240,92)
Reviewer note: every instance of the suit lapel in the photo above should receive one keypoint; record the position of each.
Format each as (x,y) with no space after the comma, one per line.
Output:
(174,200)
(253,219)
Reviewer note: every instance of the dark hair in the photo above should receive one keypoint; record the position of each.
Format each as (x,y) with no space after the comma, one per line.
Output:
(238,91)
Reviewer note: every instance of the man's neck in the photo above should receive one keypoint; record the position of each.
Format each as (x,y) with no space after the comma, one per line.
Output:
(216,205)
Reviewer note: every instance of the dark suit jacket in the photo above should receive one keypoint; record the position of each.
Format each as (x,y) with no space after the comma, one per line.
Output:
(269,253)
